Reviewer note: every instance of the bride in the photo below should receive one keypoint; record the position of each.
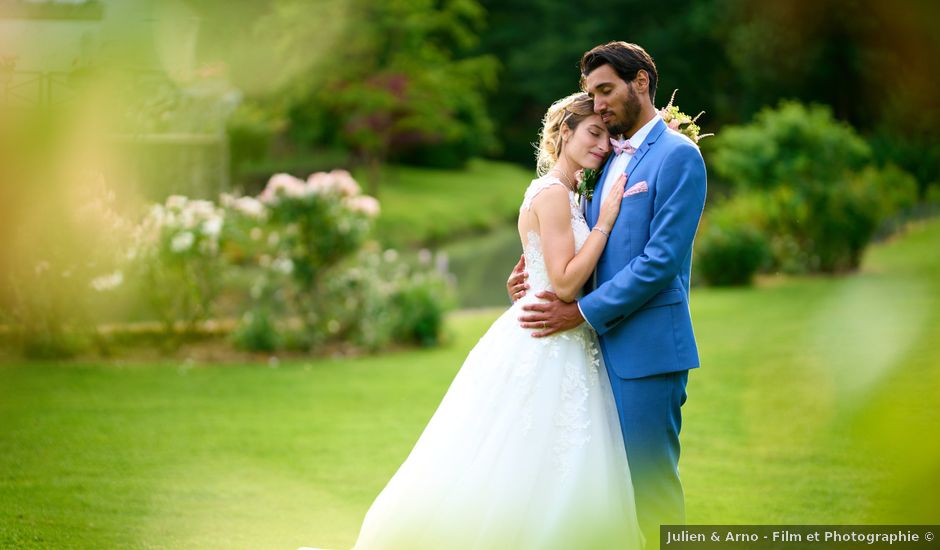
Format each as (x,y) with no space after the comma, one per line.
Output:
(525,450)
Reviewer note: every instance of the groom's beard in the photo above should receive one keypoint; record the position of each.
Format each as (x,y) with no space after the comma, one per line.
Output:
(631,113)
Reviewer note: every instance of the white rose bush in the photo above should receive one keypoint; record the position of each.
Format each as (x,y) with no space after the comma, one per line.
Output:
(381,299)
(175,256)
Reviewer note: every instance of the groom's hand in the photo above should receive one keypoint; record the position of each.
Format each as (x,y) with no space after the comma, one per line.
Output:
(552,316)
(516,284)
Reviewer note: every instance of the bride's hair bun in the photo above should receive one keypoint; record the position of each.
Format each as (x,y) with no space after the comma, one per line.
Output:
(570,111)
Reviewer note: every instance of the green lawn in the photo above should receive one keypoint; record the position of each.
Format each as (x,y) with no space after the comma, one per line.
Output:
(428,206)
(816,403)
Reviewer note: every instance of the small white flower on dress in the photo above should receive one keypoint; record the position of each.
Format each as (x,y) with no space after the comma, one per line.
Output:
(572,418)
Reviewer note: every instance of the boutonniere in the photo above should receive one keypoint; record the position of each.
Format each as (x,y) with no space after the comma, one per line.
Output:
(587,181)
(681,122)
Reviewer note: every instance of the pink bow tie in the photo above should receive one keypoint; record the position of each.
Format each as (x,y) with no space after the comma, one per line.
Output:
(622,146)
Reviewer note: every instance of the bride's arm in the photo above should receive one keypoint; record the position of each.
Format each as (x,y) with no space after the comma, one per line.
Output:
(568,271)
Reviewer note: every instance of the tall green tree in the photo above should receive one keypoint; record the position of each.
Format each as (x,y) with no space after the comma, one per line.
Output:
(872,63)
(401,85)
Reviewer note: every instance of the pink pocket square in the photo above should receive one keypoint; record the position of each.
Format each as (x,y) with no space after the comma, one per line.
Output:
(636,189)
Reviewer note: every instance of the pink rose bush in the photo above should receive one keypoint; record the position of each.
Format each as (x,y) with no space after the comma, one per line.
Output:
(316,278)
(309,227)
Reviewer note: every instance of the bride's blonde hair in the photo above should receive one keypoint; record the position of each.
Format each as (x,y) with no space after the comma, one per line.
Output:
(570,111)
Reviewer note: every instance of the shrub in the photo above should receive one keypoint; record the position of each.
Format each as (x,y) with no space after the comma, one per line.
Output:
(176,255)
(295,251)
(315,283)
(849,215)
(824,199)
(896,189)
(311,282)
(257,331)
(825,230)
(731,246)
(933,195)
(313,225)
(792,143)
(66,256)
(421,302)
(382,298)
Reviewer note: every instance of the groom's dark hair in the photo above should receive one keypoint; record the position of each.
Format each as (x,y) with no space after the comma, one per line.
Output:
(625,58)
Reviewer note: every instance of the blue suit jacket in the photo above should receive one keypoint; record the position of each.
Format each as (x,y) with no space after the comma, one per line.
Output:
(638,301)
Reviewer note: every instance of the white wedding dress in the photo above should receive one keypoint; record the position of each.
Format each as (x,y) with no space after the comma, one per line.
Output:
(524,451)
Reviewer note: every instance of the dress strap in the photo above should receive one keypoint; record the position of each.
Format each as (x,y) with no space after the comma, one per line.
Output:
(539,185)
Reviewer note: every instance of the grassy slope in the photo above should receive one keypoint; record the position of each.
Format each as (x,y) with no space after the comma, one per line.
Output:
(421,205)
(815,404)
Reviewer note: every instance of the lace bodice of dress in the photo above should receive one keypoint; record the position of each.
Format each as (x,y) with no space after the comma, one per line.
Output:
(534,256)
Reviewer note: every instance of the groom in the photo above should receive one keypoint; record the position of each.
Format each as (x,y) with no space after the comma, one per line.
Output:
(638,301)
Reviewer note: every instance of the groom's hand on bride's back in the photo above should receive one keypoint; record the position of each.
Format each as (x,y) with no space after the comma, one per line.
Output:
(516,285)
(551,315)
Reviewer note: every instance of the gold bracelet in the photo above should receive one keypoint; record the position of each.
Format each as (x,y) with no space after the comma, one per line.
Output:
(606,234)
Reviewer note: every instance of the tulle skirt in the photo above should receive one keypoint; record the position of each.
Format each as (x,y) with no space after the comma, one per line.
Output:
(524,452)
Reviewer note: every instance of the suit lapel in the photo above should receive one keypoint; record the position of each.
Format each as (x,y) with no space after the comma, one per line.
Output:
(656,131)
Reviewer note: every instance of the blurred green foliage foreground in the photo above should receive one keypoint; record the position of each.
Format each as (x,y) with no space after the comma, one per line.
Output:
(815,404)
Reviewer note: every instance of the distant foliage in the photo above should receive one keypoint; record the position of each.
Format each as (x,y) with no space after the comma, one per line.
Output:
(824,199)
(306,228)
(176,256)
(731,246)
(314,283)
(383,299)
(792,143)
(251,130)
(67,257)
(731,58)
(403,87)
(291,263)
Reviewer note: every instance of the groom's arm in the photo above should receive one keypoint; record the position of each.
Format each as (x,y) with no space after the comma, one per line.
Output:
(677,208)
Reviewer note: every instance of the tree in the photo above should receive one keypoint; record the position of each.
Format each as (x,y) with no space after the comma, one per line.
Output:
(402,86)
(869,61)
